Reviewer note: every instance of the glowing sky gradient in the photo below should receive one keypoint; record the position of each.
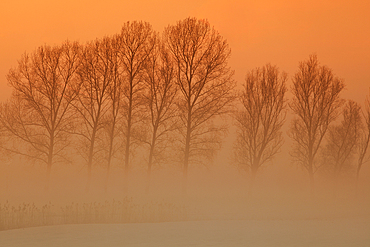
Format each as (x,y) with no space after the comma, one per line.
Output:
(279,32)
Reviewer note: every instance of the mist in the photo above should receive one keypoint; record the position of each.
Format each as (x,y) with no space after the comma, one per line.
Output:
(155,143)
(218,201)
(218,191)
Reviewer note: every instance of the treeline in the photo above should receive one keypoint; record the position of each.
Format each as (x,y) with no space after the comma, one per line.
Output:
(166,93)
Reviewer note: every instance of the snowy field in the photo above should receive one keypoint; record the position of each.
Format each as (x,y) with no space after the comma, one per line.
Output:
(218,212)
(338,232)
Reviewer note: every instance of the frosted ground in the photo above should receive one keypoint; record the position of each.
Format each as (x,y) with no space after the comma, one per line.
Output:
(339,232)
(219,213)
(210,223)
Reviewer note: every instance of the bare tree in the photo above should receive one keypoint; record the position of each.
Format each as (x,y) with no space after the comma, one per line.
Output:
(3,131)
(261,118)
(159,97)
(38,113)
(205,85)
(315,103)
(92,105)
(135,42)
(113,116)
(364,138)
(342,139)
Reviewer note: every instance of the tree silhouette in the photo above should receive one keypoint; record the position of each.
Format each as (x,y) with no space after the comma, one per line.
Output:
(261,118)
(364,138)
(342,141)
(315,104)
(38,113)
(205,85)
(112,120)
(4,134)
(135,43)
(159,98)
(92,104)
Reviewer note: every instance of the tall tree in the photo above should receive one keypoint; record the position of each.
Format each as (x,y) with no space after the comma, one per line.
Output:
(315,103)
(135,42)
(113,117)
(159,96)
(92,105)
(261,117)
(205,84)
(38,113)
(364,138)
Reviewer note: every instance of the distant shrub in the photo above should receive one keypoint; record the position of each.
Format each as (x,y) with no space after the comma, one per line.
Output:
(125,211)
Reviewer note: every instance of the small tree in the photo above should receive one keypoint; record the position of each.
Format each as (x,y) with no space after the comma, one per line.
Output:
(159,97)
(38,113)
(315,104)
(364,138)
(343,139)
(2,130)
(205,85)
(261,118)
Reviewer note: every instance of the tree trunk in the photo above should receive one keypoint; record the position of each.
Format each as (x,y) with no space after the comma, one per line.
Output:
(107,176)
(358,172)
(48,172)
(185,182)
(312,182)
(358,176)
(87,189)
(127,155)
(187,156)
(127,150)
(148,178)
(310,169)
(254,169)
(150,162)
(128,140)
(50,162)
(149,167)
(335,185)
(110,154)
(252,181)
(361,157)
(90,160)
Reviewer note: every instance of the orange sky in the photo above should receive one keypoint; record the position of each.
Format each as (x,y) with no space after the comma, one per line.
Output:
(280,32)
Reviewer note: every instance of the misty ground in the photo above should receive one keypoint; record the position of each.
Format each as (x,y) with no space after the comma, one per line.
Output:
(218,209)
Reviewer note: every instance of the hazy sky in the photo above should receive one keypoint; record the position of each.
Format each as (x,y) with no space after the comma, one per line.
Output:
(279,32)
